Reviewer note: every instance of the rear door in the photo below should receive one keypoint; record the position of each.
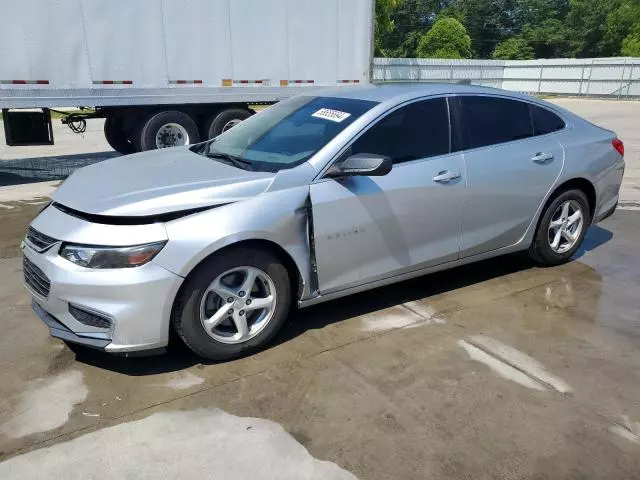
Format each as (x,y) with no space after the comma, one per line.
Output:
(368,228)
(510,166)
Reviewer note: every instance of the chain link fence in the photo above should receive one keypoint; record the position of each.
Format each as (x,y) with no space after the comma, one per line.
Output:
(597,77)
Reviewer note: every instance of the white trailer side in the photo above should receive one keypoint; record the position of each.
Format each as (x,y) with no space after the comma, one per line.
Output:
(178,53)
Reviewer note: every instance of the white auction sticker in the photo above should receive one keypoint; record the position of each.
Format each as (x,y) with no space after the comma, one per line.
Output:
(333,115)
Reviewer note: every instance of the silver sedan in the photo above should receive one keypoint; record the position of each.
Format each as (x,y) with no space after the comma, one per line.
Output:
(314,198)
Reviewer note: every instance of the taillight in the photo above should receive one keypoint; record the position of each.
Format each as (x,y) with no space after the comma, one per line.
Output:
(618,145)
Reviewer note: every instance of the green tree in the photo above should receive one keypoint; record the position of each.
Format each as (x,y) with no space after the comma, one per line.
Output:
(488,22)
(384,26)
(411,19)
(514,48)
(549,39)
(631,43)
(447,38)
(586,22)
(619,23)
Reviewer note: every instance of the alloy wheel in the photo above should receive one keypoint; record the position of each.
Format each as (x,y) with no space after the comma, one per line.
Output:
(566,226)
(238,305)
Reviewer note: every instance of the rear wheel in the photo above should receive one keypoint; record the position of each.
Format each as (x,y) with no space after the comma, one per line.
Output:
(561,229)
(233,304)
(225,120)
(117,137)
(170,128)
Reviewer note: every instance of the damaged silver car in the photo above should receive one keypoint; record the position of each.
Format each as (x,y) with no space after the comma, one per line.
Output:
(314,198)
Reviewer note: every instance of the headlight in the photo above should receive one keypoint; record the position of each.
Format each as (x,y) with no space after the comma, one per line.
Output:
(110,257)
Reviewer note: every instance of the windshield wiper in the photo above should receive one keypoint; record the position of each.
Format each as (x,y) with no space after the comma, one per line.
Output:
(232,159)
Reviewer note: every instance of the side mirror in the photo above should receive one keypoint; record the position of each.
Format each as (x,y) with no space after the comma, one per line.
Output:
(363,165)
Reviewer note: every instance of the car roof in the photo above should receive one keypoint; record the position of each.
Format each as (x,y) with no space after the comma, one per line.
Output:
(405,91)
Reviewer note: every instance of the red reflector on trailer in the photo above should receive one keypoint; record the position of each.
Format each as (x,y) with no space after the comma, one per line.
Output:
(618,145)
(24,82)
(185,82)
(113,82)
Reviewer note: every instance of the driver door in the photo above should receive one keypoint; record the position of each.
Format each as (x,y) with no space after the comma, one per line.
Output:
(369,228)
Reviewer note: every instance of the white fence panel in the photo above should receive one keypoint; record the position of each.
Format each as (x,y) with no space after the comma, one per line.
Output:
(619,77)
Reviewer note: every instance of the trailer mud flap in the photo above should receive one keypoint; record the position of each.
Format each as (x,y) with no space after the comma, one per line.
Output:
(27,127)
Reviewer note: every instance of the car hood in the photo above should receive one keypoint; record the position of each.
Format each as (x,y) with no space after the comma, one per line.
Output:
(156,182)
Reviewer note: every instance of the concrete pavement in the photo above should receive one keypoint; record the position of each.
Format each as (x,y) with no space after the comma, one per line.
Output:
(494,370)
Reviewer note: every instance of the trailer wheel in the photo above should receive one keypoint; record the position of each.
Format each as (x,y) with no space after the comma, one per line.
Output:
(117,137)
(225,120)
(170,128)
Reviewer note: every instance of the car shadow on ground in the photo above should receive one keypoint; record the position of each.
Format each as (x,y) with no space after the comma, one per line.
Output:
(178,357)
(43,169)
(596,236)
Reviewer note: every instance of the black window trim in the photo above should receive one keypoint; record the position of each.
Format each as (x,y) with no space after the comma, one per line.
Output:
(459,126)
(338,156)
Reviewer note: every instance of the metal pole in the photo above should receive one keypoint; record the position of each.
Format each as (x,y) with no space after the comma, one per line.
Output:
(372,42)
(624,67)
(481,75)
(540,78)
(581,80)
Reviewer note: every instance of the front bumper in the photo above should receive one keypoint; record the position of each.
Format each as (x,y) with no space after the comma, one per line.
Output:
(137,301)
(58,330)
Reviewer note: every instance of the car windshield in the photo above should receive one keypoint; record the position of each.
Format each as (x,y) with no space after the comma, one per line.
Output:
(286,134)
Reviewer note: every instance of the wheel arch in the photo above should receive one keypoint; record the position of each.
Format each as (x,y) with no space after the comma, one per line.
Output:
(578,183)
(295,274)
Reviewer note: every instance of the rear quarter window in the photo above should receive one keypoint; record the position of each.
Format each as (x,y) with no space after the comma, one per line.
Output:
(545,121)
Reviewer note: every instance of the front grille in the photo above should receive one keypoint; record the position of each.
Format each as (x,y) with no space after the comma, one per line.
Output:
(39,240)
(35,278)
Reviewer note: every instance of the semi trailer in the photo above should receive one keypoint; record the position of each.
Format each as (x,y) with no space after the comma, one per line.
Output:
(166,73)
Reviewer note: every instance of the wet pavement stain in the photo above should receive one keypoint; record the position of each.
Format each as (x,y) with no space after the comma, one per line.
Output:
(197,444)
(46,404)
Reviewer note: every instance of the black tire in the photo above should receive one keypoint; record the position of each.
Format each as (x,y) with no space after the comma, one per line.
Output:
(117,137)
(186,310)
(145,138)
(216,124)
(540,250)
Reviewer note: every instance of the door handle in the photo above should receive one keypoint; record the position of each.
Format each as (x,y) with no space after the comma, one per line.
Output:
(542,157)
(446,176)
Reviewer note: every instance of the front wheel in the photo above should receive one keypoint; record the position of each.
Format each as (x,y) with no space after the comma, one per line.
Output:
(233,304)
(561,229)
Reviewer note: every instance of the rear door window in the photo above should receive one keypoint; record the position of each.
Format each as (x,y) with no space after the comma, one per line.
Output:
(545,121)
(418,130)
(492,120)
